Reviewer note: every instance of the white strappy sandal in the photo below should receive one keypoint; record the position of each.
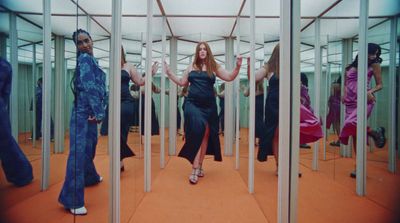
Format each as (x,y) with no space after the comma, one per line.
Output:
(193,178)
(201,172)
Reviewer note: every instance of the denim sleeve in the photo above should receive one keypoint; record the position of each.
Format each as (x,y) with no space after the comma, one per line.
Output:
(91,88)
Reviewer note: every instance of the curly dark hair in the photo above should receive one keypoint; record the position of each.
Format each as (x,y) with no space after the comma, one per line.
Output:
(78,53)
(372,49)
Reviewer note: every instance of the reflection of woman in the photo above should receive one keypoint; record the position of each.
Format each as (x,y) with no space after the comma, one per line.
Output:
(128,72)
(259,108)
(184,94)
(333,117)
(221,115)
(38,117)
(201,117)
(269,141)
(87,111)
(180,94)
(155,126)
(15,165)
(134,90)
(308,125)
(350,98)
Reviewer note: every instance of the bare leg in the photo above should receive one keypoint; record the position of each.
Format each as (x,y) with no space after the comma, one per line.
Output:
(336,128)
(203,149)
(198,161)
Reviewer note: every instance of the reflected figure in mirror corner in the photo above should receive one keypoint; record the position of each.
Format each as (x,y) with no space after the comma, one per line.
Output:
(88,85)
(16,166)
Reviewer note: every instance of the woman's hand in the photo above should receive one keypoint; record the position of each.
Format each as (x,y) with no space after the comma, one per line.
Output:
(370,97)
(239,61)
(167,69)
(92,119)
(154,68)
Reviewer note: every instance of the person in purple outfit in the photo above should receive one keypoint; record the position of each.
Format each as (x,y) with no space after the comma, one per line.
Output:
(333,117)
(350,98)
(305,99)
(310,125)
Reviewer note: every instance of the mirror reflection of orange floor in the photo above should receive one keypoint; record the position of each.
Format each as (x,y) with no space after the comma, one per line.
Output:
(327,195)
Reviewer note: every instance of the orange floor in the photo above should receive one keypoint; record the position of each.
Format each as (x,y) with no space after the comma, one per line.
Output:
(327,195)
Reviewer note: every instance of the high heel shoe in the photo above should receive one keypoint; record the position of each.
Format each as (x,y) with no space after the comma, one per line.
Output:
(193,178)
(379,137)
(200,172)
(353,174)
(335,143)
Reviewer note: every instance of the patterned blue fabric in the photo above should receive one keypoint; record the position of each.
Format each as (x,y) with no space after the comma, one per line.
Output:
(81,172)
(90,85)
(16,166)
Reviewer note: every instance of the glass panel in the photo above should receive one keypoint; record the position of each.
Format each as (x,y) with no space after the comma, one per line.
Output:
(132,169)
(266,135)
(341,34)
(333,104)
(378,174)
(175,7)
(317,157)
(156,113)
(21,161)
(244,110)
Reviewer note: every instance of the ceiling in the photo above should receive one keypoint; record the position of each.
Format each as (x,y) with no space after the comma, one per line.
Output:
(192,21)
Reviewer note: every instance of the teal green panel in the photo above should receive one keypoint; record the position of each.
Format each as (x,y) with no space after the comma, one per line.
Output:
(24,97)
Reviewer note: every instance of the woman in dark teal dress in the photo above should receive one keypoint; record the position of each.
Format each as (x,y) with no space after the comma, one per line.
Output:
(128,73)
(221,115)
(310,129)
(155,126)
(269,141)
(200,113)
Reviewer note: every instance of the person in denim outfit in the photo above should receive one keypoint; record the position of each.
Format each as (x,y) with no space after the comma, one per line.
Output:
(15,165)
(88,110)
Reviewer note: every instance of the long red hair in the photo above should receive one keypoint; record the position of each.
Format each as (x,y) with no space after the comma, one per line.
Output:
(212,66)
(123,57)
(273,63)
